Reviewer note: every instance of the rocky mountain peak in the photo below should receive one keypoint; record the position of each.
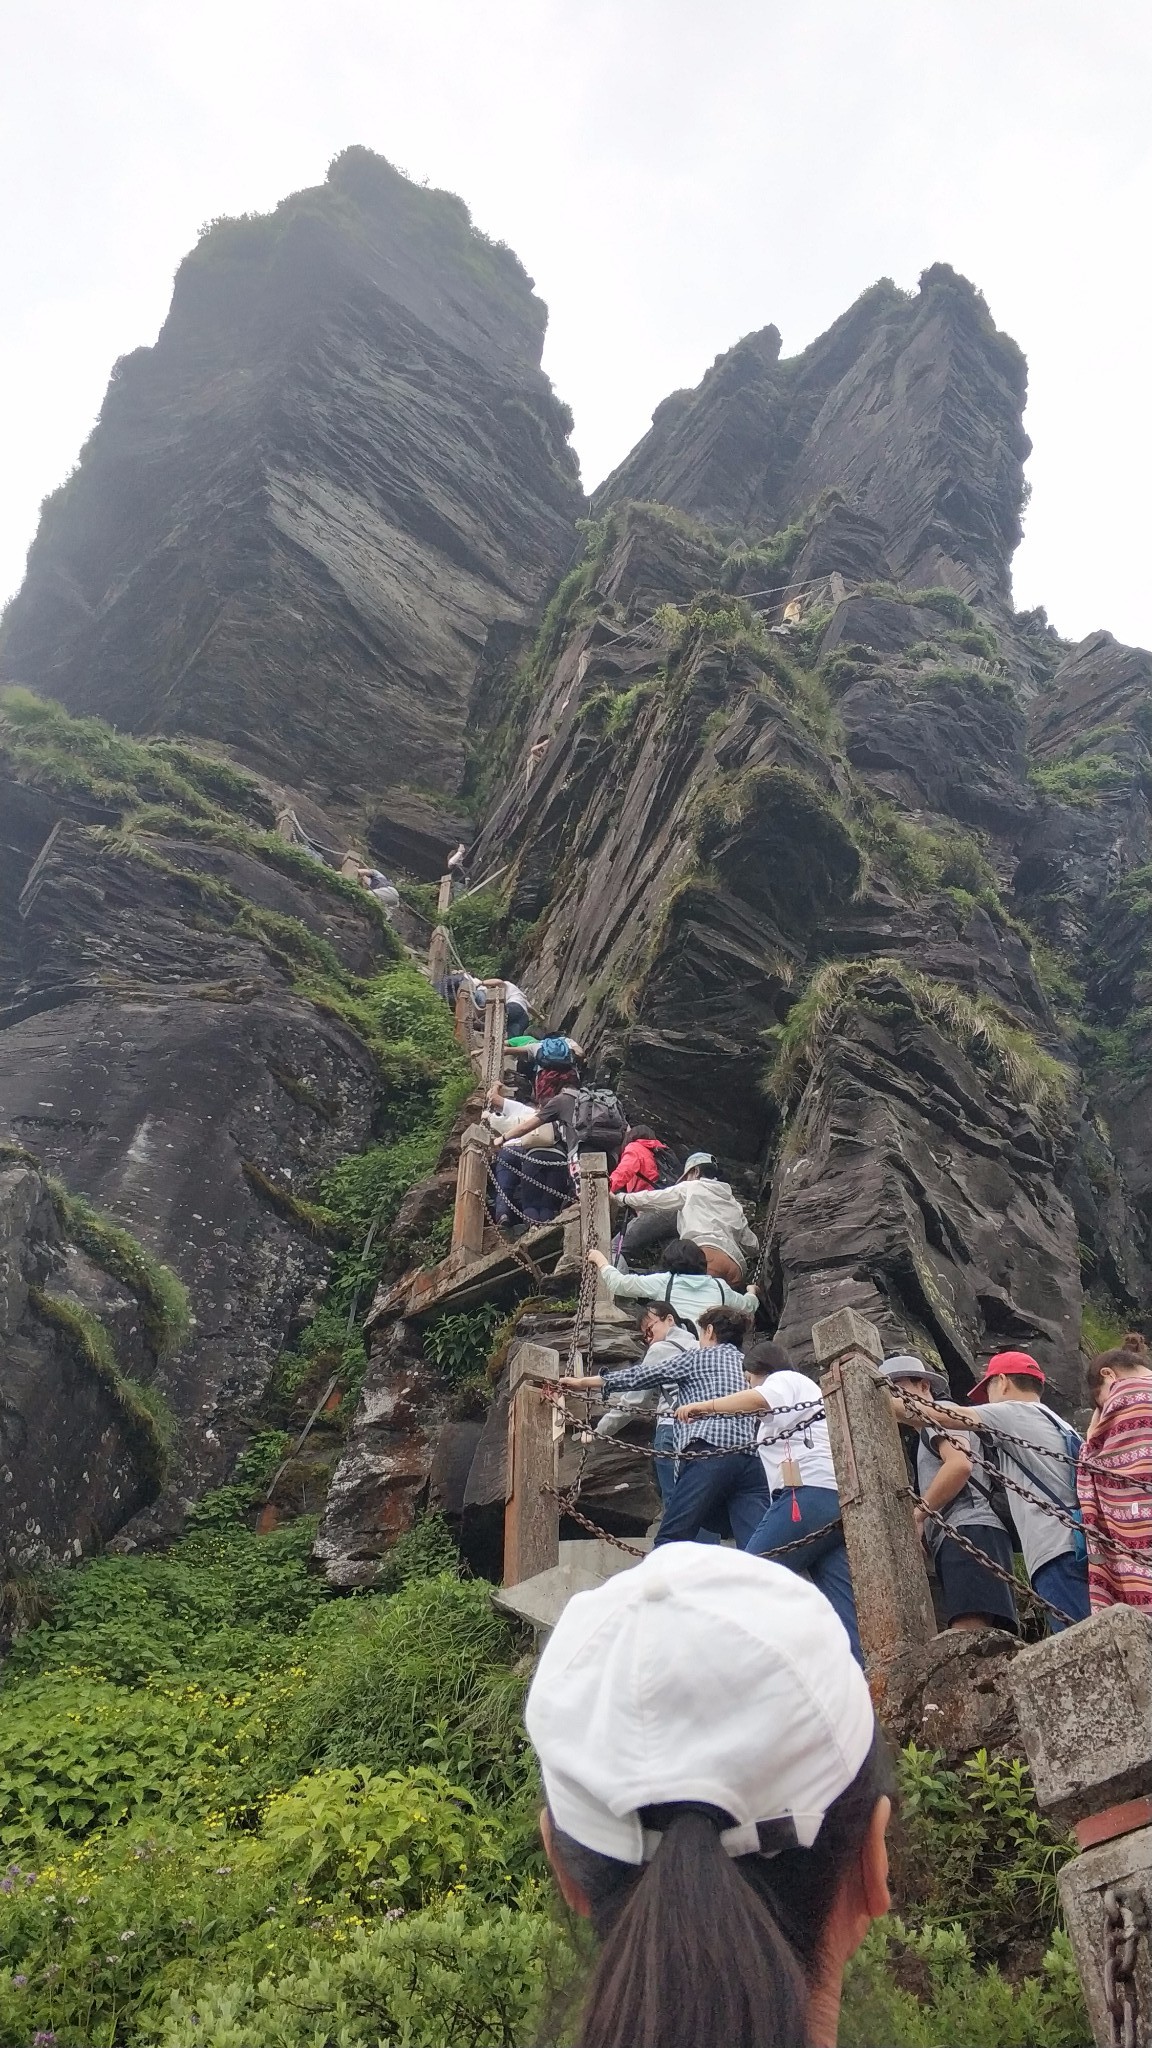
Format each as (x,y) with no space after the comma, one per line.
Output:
(910,405)
(313,516)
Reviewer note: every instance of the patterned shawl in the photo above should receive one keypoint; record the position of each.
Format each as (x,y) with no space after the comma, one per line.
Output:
(1114,1483)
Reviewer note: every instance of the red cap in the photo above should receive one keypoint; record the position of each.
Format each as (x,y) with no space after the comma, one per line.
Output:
(1017,1364)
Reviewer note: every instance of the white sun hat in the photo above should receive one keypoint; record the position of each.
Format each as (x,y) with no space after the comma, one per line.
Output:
(702,1675)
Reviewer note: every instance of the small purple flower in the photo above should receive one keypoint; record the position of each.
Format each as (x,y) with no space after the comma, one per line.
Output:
(20,1978)
(6,1884)
(44,2039)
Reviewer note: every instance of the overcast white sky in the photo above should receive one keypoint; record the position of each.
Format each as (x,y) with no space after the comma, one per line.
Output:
(672,172)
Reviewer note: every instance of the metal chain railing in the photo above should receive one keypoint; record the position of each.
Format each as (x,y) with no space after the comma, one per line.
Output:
(1003,1436)
(1125,1920)
(1021,1591)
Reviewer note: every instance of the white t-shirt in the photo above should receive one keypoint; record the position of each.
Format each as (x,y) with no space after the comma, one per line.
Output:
(795,1434)
(510,1116)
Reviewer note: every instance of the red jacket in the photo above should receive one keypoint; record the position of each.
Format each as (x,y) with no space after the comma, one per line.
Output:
(637,1168)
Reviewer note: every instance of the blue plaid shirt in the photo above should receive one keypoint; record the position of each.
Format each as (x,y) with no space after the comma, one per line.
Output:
(702,1374)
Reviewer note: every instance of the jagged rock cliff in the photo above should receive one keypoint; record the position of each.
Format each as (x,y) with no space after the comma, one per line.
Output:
(858,899)
(320,509)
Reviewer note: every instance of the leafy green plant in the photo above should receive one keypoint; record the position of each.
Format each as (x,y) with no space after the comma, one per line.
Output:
(475,1980)
(404,1836)
(458,1345)
(921,1989)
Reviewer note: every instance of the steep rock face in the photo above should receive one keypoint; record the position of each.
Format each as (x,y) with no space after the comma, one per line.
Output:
(77,1454)
(320,508)
(157,1055)
(910,405)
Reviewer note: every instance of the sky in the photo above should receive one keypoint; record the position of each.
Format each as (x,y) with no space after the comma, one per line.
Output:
(673,173)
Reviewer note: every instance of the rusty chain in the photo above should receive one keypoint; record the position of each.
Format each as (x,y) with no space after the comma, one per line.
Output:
(1125,1920)
(973,1550)
(568,1508)
(931,1408)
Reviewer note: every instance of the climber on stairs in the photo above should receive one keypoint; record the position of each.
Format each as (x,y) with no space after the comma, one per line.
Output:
(530,1185)
(700,1206)
(684,1283)
(719,1474)
(644,1163)
(586,1120)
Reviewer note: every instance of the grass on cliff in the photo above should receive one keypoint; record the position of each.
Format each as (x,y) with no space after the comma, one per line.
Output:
(238,1813)
(984,1032)
(84,756)
(145,1415)
(162,1295)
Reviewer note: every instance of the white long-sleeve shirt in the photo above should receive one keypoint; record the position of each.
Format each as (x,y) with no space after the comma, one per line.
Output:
(709,1214)
(691,1293)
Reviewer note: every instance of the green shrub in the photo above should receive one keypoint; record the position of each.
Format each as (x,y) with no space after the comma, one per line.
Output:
(448,1978)
(955,2003)
(458,1345)
(1081,782)
(424,1676)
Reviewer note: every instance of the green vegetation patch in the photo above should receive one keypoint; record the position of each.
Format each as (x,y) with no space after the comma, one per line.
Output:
(162,1295)
(47,746)
(984,1032)
(148,1424)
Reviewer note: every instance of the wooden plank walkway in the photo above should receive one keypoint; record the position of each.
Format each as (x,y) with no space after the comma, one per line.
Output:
(460,1283)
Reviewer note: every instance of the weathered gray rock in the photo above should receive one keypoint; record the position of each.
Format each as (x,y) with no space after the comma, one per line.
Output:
(75,1462)
(910,404)
(317,515)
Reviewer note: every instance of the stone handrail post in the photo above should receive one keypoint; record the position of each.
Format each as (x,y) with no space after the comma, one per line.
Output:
(471,1195)
(596,1227)
(438,954)
(495,1032)
(531,1509)
(885,1555)
(444,899)
(1084,1703)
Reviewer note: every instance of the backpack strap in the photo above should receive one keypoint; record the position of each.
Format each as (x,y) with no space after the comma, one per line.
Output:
(681,1322)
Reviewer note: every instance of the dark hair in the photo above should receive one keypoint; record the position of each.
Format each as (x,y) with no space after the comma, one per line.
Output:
(1022,1381)
(698,1946)
(762,1355)
(1129,1356)
(708,1171)
(683,1255)
(640,1131)
(728,1325)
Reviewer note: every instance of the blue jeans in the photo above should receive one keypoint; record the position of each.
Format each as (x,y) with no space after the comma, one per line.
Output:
(1064,1581)
(824,1560)
(663,1441)
(707,1488)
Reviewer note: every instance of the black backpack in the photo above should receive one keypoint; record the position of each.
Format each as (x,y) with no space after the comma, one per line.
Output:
(668,1167)
(598,1123)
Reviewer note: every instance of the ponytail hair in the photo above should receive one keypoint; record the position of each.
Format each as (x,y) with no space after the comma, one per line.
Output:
(1130,1355)
(699,1946)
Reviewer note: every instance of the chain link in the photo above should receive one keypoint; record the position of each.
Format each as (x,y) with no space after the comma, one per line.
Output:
(1002,1436)
(567,1504)
(1125,1920)
(997,1571)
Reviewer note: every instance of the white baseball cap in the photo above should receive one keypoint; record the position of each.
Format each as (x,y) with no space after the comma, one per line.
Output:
(703,1675)
(697,1159)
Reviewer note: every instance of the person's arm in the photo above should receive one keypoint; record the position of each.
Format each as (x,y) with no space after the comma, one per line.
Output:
(748,1402)
(747,1237)
(522,1130)
(659,1372)
(622,1172)
(939,1414)
(655,1198)
(954,1474)
(634,1286)
(591,1382)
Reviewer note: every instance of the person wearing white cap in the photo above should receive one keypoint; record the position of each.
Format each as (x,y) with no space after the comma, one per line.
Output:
(717,1798)
(700,1206)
